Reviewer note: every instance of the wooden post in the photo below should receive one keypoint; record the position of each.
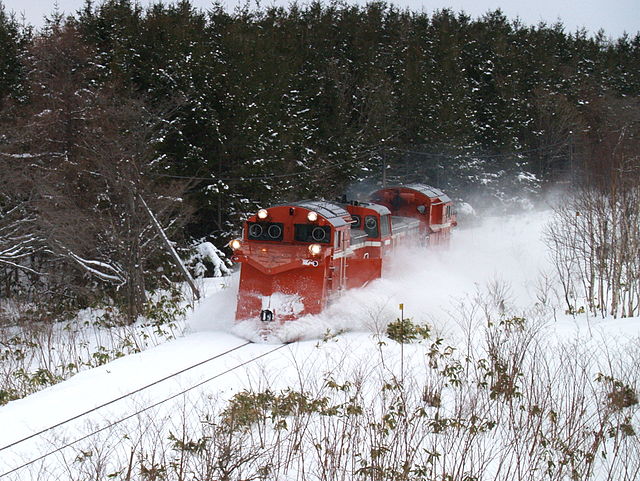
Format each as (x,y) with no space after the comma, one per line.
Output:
(384,168)
(171,250)
(402,344)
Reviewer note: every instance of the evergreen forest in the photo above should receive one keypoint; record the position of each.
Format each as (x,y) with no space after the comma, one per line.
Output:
(205,116)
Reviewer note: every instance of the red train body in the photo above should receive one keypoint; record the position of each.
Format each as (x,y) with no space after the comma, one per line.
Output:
(296,257)
(432,207)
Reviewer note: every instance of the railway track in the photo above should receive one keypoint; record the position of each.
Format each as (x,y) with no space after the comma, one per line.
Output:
(6,471)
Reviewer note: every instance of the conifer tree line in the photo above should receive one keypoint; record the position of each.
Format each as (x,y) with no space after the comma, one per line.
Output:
(207,115)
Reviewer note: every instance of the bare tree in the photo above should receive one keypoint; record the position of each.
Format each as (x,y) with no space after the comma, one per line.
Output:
(83,153)
(594,235)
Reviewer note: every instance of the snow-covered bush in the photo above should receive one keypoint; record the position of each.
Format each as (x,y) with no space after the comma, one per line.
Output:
(206,259)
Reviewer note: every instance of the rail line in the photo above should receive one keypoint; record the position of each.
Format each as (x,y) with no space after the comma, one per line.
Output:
(173,396)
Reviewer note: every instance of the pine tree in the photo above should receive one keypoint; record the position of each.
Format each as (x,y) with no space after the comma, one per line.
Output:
(13,39)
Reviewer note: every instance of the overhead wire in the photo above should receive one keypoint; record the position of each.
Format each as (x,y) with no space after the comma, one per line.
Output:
(272,176)
(478,156)
(360,156)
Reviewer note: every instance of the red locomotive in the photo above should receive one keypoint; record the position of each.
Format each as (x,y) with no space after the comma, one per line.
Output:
(431,206)
(295,257)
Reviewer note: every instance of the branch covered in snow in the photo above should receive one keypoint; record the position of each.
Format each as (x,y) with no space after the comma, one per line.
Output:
(98,269)
(206,252)
(16,242)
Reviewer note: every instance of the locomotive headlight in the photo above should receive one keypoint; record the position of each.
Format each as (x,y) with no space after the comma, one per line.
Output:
(235,244)
(312,216)
(263,214)
(314,249)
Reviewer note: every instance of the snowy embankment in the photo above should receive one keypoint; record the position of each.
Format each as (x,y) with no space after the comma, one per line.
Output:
(506,386)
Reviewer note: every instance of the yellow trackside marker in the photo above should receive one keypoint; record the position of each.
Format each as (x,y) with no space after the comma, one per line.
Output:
(401,307)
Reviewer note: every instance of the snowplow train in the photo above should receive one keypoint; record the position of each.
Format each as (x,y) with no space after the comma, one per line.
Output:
(296,257)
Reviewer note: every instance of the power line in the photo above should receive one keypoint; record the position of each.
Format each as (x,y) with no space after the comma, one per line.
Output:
(50,428)
(439,155)
(273,176)
(110,425)
(478,156)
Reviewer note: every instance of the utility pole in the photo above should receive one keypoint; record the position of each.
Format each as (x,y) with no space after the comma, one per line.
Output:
(571,152)
(384,168)
(402,339)
(171,250)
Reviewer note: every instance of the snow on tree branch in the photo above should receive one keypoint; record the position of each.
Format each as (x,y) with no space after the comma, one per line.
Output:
(93,267)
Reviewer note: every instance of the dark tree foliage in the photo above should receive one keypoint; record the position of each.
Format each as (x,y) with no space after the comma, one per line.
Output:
(265,105)
(13,40)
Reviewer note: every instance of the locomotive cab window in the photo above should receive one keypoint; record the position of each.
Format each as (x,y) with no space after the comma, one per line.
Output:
(371,226)
(312,233)
(265,231)
(385,229)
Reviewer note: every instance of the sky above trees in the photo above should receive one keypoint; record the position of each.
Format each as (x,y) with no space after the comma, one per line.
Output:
(614,16)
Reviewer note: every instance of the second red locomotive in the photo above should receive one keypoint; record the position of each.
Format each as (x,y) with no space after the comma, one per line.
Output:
(295,257)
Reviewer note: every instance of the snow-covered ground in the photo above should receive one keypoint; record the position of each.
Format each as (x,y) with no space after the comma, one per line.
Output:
(495,271)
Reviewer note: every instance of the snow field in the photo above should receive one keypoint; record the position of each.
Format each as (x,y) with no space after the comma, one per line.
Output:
(506,387)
